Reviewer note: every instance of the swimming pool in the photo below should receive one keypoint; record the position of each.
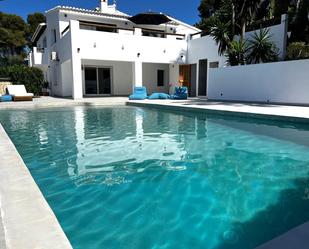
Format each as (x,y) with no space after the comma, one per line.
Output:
(127,177)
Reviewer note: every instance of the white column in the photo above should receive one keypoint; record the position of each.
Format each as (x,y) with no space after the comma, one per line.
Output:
(174,77)
(137,73)
(77,89)
(137,65)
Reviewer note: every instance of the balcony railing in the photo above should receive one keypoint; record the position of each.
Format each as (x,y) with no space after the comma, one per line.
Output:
(111,28)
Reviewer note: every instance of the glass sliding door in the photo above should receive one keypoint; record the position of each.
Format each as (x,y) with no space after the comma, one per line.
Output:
(97,81)
(91,80)
(104,80)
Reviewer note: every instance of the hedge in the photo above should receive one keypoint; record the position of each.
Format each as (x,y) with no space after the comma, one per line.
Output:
(31,77)
(297,51)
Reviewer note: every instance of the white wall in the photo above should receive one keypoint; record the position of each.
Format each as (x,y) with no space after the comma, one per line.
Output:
(55,77)
(122,83)
(121,47)
(66,78)
(173,77)
(204,48)
(278,35)
(150,77)
(278,82)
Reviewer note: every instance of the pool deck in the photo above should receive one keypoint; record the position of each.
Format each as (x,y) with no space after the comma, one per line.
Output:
(45,102)
(2,238)
(32,223)
(257,110)
(297,238)
(26,220)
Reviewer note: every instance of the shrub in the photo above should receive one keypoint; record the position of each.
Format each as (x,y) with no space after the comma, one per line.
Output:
(262,48)
(12,60)
(236,53)
(31,77)
(297,51)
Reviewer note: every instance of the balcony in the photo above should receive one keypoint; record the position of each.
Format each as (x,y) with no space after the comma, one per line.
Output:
(146,45)
(39,56)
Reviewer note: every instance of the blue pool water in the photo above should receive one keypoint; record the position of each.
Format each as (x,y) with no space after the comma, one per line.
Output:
(128,177)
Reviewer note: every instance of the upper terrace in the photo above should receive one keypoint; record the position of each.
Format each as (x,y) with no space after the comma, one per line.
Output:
(116,44)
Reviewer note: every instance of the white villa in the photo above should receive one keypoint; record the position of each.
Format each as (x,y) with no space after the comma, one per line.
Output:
(102,53)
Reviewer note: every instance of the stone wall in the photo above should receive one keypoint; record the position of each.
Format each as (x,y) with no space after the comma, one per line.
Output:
(3,86)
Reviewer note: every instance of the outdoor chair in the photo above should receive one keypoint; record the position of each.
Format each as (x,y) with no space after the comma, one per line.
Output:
(140,93)
(180,93)
(19,93)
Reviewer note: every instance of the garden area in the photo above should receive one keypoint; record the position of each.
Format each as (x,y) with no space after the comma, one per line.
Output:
(15,44)
(227,21)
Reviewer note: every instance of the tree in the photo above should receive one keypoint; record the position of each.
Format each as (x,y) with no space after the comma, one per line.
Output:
(300,24)
(207,9)
(279,7)
(12,34)
(33,21)
(236,53)
(221,34)
(245,11)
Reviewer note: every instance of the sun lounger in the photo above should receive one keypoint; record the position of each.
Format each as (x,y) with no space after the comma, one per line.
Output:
(140,93)
(19,93)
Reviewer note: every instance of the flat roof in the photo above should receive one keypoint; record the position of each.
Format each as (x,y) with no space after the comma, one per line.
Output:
(38,32)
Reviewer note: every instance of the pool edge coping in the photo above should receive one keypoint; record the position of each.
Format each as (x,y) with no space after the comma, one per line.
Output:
(233,113)
(28,221)
(70,103)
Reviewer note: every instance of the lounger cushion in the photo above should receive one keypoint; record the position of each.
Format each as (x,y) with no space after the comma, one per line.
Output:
(18,90)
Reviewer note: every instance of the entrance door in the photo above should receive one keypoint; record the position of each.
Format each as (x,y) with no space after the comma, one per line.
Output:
(202,78)
(193,80)
(97,81)
(184,75)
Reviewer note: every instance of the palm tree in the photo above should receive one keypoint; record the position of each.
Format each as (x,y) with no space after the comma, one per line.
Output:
(261,48)
(221,34)
(236,53)
(245,10)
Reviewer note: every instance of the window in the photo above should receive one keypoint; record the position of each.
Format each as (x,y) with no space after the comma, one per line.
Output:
(153,33)
(160,77)
(54,36)
(103,27)
(44,42)
(214,64)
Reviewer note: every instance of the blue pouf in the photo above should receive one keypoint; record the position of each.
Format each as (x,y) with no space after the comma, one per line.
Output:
(6,98)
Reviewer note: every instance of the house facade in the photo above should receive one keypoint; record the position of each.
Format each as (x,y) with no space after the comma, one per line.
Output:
(102,53)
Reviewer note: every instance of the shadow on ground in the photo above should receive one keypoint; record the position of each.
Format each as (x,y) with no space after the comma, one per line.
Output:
(290,211)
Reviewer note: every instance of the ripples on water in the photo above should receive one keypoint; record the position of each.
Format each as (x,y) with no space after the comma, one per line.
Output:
(138,178)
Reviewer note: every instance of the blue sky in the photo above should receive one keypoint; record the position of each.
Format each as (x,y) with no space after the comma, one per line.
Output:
(185,10)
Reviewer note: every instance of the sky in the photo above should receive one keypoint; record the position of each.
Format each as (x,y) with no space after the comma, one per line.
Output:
(184,10)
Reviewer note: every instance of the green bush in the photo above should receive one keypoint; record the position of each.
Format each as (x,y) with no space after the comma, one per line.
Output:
(31,77)
(297,51)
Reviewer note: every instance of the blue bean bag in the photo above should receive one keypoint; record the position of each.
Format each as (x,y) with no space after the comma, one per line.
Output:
(140,93)
(6,98)
(159,96)
(180,93)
